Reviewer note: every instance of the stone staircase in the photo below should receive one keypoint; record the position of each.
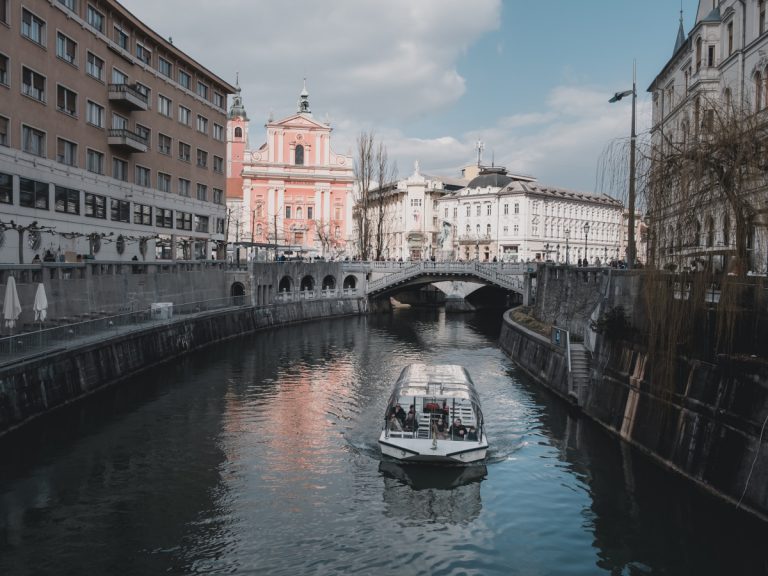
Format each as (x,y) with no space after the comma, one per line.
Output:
(580,367)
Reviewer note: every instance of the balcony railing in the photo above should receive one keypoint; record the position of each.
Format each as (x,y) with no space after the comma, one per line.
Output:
(128,96)
(127,140)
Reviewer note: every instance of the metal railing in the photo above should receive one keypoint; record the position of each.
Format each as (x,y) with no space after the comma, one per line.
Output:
(65,336)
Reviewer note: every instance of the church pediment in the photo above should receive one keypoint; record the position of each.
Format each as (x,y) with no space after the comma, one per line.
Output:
(298,121)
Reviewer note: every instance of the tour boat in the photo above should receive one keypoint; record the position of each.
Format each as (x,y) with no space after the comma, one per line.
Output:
(440,422)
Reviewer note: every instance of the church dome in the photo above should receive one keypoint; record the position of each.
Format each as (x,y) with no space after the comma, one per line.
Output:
(493,176)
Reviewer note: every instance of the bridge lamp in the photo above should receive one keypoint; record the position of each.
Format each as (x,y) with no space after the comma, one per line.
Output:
(586,235)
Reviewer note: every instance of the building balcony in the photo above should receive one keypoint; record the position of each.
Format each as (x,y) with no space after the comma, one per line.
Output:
(128,96)
(126,140)
(475,238)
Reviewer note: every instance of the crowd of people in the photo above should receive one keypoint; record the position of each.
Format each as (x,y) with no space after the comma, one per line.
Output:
(401,421)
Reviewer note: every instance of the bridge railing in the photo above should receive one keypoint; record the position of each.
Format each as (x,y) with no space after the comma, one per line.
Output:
(505,274)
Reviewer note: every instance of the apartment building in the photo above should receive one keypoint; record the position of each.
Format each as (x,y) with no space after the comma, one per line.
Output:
(112,140)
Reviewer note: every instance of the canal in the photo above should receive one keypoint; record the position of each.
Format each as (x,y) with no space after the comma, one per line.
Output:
(260,457)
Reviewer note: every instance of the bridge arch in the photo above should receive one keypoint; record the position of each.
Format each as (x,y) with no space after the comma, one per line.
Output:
(307,283)
(237,293)
(329,282)
(286,284)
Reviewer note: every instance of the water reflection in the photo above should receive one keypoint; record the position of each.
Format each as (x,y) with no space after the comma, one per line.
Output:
(437,494)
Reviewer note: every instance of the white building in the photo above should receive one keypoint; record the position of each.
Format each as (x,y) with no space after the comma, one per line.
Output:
(513,218)
(721,65)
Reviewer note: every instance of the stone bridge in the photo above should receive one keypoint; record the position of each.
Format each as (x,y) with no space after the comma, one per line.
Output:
(388,277)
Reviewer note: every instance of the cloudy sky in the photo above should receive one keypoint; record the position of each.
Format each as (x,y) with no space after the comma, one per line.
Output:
(530,78)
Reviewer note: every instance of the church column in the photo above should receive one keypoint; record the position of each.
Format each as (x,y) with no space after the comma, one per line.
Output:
(318,150)
(280,147)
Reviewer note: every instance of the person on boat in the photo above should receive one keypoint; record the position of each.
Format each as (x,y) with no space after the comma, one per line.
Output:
(471,433)
(399,413)
(458,431)
(410,419)
(439,427)
(394,423)
(446,413)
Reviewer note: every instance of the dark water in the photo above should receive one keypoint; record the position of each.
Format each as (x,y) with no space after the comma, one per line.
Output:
(260,457)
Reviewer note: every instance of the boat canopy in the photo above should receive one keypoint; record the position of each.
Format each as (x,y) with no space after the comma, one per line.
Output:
(436,380)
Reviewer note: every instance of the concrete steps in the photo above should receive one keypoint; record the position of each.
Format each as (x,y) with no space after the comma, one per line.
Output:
(581,363)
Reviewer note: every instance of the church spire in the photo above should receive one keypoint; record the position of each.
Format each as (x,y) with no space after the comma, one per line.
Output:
(680,32)
(237,110)
(304,100)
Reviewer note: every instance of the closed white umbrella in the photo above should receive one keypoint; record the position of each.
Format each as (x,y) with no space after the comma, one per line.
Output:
(41,303)
(11,305)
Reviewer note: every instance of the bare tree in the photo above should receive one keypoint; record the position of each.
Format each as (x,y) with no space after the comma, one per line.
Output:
(386,174)
(365,173)
(34,230)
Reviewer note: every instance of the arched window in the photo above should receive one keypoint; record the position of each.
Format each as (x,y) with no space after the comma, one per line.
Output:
(488,230)
(299,213)
(238,132)
(696,233)
(710,232)
(726,230)
(299,155)
(698,53)
(758,91)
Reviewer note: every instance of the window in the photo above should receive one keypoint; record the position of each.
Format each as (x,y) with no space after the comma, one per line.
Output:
(299,155)
(310,212)
(32,27)
(238,132)
(66,100)
(164,144)
(66,152)
(95,206)
(4,70)
(95,18)
(142,214)
(698,53)
(516,228)
(218,100)
(469,208)
(163,182)
(202,158)
(202,192)
(299,213)
(218,132)
(4,125)
(33,141)
(120,210)
(220,225)
(119,169)
(32,84)
(184,187)
(119,122)
(202,90)
(287,212)
(95,114)
(119,77)
(517,208)
(94,161)
(94,66)
(218,164)
(66,200)
(144,91)
(185,152)
(218,196)
(730,38)
(33,194)
(164,218)
(66,48)
(71,4)
(143,53)
(506,209)
(202,124)
(165,68)
(143,176)
(711,56)
(185,79)
(6,188)
(122,39)
(183,221)
(488,209)
(144,132)
(164,105)
(201,223)
(477,210)
(184,114)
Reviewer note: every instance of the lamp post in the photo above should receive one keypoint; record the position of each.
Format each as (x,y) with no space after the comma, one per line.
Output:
(631,200)
(546,252)
(567,248)
(586,234)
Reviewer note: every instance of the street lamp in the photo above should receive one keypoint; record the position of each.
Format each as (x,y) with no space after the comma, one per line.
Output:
(567,248)
(546,251)
(631,200)
(586,234)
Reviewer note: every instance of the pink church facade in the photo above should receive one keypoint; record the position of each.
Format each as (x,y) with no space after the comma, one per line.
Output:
(293,191)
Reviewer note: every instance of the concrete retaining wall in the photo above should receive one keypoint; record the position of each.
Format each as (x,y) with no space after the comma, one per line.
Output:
(712,429)
(33,388)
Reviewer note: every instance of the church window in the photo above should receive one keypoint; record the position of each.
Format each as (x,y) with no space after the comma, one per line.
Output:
(711,56)
(758,91)
(238,132)
(310,212)
(287,212)
(730,38)
(299,213)
(698,53)
(299,155)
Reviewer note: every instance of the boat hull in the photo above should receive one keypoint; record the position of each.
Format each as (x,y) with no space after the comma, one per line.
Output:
(439,452)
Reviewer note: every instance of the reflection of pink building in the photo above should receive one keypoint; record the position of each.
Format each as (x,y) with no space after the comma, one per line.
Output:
(293,190)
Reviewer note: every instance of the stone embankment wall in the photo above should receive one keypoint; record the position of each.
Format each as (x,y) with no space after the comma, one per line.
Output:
(711,428)
(35,387)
